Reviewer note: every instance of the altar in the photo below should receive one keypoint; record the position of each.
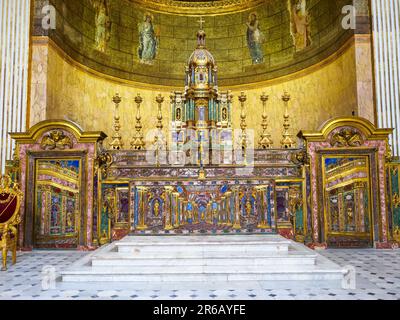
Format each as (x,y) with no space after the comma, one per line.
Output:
(225,199)
(200,173)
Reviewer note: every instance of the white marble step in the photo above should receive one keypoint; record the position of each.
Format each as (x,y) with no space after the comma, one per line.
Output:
(201,244)
(91,275)
(118,259)
(228,260)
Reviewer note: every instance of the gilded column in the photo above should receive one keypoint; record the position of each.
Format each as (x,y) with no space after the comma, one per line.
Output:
(168,208)
(236,223)
(342,221)
(142,208)
(228,208)
(175,196)
(359,204)
(263,224)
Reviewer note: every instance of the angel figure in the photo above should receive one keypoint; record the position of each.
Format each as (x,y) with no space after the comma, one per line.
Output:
(148,40)
(103,23)
(299,24)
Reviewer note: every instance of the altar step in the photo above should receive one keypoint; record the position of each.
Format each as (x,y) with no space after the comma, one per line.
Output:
(227,260)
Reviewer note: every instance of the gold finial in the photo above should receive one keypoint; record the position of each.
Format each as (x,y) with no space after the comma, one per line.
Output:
(287,142)
(137,142)
(265,141)
(116,143)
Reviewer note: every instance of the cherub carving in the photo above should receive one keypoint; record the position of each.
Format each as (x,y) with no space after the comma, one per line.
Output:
(56,139)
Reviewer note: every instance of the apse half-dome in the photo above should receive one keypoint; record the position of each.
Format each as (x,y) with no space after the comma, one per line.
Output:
(150,42)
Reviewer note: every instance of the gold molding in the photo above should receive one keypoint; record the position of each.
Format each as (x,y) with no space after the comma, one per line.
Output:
(33,134)
(197,8)
(46,41)
(364,125)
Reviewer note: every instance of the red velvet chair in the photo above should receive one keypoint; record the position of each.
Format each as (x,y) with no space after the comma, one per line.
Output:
(10,201)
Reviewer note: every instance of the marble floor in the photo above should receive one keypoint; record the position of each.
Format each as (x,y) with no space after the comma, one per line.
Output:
(378,277)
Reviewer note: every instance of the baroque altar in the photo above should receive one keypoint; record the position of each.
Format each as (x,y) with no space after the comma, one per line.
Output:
(202,176)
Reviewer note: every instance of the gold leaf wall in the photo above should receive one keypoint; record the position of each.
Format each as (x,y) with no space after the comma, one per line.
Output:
(73,93)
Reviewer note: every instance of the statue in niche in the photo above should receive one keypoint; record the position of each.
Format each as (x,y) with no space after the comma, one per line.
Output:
(148,40)
(255,38)
(103,24)
(299,24)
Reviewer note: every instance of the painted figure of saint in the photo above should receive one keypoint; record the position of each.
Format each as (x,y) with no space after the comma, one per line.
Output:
(255,39)
(103,24)
(148,40)
(300,24)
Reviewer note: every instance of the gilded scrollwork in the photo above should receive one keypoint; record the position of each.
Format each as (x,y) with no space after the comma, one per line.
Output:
(396,200)
(301,157)
(56,139)
(347,137)
(103,162)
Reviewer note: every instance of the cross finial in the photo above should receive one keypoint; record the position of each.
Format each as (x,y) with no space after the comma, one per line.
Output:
(201,21)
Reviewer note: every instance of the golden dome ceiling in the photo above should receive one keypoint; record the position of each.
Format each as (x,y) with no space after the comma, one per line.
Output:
(198,7)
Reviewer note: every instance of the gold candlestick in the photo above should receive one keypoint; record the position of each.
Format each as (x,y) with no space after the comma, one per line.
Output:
(287,142)
(158,141)
(137,142)
(243,126)
(160,101)
(116,143)
(265,141)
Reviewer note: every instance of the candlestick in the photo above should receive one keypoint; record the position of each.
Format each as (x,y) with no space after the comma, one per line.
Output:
(137,142)
(116,143)
(287,142)
(265,141)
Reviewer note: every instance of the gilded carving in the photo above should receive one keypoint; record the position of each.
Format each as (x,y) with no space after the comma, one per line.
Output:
(56,139)
(347,137)
(198,7)
(396,200)
(300,157)
(103,163)
(10,201)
